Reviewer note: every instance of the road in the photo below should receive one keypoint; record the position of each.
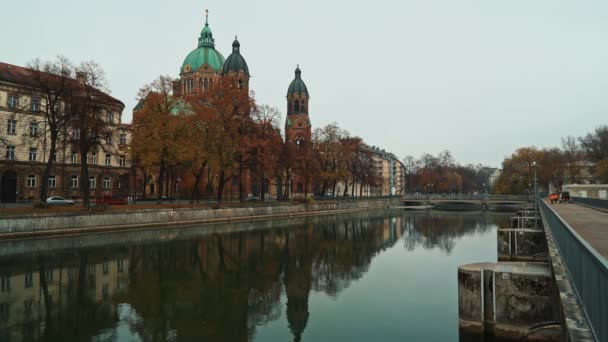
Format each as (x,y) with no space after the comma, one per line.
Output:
(590,224)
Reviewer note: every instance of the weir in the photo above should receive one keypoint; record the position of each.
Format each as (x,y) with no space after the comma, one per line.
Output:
(529,293)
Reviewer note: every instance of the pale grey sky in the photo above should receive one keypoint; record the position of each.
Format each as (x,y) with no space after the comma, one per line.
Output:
(477,77)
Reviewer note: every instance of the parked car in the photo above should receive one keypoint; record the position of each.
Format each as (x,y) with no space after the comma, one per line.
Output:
(564,197)
(59,201)
(112,200)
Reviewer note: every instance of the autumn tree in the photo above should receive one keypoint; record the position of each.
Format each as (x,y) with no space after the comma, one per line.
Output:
(153,146)
(265,143)
(573,155)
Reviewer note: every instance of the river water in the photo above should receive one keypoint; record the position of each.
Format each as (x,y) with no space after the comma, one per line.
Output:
(371,276)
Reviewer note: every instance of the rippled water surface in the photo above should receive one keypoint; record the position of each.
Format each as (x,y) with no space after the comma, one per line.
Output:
(373,276)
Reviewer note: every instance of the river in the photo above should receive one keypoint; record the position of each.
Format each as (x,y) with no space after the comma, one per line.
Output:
(370,276)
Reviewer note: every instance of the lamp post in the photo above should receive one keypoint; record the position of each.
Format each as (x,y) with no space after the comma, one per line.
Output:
(535,166)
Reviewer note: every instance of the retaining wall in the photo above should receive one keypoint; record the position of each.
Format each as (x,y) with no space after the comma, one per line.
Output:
(157,217)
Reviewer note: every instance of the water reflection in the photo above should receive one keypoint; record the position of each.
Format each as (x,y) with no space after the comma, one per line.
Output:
(219,287)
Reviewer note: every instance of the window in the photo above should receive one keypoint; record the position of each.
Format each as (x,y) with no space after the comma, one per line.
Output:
(74,182)
(35,104)
(74,158)
(49,275)
(76,134)
(4,311)
(93,159)
(29,280)
(110,117)
(12,101)
(119,265)
(52,181)
(10,152)
(33,154)
(109,138)
(105,267)
(296,106)
(92,182)
(240,84)
(108,159)
(205,83)
(31,181)
(106,183)
(122,161)
(11,126)
(303,106)
(5,282)
(33,129)
(123,139)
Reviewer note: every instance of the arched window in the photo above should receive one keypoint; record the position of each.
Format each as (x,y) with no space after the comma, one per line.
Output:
(296,106)
(303,107)
(240,84)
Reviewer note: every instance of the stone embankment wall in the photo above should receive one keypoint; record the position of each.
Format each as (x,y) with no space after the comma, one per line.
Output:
(48,225)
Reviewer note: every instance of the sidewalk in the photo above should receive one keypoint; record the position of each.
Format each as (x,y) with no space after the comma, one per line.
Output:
(589,223)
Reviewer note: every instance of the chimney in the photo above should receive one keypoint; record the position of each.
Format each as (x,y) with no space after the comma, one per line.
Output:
(81,77)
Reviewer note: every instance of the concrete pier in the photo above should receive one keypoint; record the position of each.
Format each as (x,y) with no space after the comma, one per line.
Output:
(513,300)
(521,244)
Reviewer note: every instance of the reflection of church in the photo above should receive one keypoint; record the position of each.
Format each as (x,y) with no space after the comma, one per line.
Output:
(205,66)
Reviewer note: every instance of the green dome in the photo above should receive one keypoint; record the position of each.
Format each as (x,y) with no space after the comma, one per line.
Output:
(235,62)
(204,53)
(297,85)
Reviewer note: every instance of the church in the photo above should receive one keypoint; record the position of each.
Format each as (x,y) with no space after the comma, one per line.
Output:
(205,66)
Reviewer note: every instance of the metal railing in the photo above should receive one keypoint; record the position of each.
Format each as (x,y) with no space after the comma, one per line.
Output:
(480,197)
(592,202)
(587,269)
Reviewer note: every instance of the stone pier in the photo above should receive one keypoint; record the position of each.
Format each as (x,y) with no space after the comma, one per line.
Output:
(522,244)
(513,300)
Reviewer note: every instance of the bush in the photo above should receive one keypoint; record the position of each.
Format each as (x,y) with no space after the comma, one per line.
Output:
(310,200)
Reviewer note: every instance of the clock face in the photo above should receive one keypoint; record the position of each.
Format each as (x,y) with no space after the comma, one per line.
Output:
(187,68)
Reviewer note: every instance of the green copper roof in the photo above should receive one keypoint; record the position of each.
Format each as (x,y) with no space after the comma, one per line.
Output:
(297,85)
(204,53)
(235,62)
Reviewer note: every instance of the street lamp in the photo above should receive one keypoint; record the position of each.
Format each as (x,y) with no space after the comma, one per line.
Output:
(535,166)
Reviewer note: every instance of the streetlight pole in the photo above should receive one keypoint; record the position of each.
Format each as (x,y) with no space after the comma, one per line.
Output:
(535,166)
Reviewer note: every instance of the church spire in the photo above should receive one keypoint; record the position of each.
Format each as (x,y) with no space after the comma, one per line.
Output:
(206,37)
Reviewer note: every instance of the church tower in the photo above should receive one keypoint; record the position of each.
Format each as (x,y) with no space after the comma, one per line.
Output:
(297,125)
(236,67)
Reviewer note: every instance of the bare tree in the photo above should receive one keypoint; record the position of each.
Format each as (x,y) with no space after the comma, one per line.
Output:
(52,82)
(573,155)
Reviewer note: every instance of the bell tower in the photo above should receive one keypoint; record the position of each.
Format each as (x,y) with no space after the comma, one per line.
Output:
(297,124)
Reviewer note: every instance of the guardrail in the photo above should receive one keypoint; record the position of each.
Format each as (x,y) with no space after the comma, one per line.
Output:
(480,197)
(592,202)
(587,269)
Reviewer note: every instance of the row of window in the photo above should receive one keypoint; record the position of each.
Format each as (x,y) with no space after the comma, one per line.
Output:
(33,156)
(5,279)
(13,102)
(297,106)
(107,182)
(11,128)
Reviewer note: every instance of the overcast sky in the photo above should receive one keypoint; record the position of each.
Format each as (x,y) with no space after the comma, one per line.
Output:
(477,77)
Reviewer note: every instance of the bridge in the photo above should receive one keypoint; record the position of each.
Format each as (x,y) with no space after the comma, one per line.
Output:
(467,202)
(580,234)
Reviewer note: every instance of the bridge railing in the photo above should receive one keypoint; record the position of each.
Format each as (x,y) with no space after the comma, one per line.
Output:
(587,269)
(480,197)
(592,202)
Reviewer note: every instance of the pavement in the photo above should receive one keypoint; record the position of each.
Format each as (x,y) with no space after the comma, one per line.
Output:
(590,224)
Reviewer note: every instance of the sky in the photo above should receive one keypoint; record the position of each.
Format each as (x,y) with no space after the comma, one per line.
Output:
(479,78)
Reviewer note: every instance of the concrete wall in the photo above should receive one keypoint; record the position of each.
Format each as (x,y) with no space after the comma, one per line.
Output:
(506,299)
(156,217)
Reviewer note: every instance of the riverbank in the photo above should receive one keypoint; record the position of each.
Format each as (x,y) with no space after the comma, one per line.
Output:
(79,223)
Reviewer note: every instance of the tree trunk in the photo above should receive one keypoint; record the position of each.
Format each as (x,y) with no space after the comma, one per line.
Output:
(44,188)
(262,185)
(85,190)
(161,178)
(220,187)
(197,181)
(241,190)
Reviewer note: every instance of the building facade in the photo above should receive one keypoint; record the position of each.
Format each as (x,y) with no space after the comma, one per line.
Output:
(25,145)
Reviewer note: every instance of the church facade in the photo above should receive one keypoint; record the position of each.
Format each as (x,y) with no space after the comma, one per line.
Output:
(204,67)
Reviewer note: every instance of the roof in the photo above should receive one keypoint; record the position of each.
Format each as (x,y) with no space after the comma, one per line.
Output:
(235,62)
(27,77)
(297,86)
(205,53)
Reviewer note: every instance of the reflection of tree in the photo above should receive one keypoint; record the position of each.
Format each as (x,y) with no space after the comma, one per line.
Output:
(222,287)
(438,230)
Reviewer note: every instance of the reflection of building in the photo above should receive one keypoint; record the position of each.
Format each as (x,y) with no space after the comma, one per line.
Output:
(25,292)
(25,143)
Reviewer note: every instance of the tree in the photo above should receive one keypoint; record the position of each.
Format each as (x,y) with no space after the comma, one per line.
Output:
(573,156)
(265,145)
(52,82)
(595,145)
(89,104)
(153,146)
